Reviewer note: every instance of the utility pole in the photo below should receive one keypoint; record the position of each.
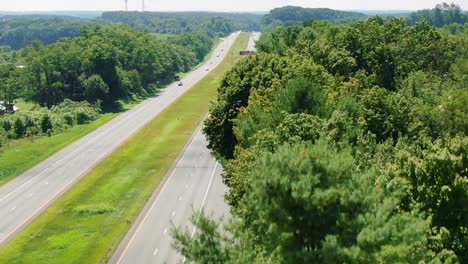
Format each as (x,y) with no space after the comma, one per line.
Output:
(126,5)
(143,5)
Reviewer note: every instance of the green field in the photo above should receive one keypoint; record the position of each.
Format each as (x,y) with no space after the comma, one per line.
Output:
(88,222)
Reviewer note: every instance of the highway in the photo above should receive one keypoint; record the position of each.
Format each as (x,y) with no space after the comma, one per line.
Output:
(193,183)
(29,194)
(252,41)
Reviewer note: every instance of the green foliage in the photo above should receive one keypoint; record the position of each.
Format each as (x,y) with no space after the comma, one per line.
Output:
(302,96)
(207,247)
(43,121)
(107,64)
(437,178)
(19,32)
(292,14)
(345,144)
(212,24)
(441,15)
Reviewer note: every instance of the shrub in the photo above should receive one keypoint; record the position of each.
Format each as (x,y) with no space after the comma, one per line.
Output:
(19,128)
(3,138)
(46,124)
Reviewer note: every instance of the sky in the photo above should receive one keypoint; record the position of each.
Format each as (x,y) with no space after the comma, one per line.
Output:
(218,5)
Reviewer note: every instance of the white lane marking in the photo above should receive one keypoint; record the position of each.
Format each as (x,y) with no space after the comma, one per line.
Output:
(180,198)
(68,185)
(206,195)
(154,204)
(135,110)
(165,231)
(173,213)
(155,252)
(12,209)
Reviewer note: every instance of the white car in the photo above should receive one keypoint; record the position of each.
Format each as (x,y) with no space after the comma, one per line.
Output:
(217,55)
(207,69)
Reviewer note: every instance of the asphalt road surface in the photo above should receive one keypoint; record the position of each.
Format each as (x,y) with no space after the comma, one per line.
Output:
(253,39)
(25,197)
(192,184)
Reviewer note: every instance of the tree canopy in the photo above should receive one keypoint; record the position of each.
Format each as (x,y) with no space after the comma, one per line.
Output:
(342,144)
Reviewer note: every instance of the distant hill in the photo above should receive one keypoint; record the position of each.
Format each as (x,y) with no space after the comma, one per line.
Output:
(17,32)
(293,14)
(49,14)
(215,24)
(442,15)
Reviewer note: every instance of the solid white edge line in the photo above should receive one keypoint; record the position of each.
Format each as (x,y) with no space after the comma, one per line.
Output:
(152,205)
(206,195)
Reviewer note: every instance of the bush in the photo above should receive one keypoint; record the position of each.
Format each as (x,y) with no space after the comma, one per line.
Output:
(46,124)
(19,128)
(42,121)
(3,138)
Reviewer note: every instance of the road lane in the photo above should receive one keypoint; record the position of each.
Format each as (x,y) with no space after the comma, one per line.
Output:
(33,191)
(193,183)
(254,37)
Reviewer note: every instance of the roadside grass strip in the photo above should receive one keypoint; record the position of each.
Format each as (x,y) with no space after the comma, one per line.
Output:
(88,222)
(20,155)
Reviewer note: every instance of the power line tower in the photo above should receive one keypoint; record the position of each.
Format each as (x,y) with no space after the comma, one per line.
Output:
(126,5)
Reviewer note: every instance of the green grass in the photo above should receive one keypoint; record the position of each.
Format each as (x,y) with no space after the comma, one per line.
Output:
(20,155)
(88,222)
(25,106)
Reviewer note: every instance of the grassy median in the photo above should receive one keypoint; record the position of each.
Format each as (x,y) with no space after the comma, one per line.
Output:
(87,223)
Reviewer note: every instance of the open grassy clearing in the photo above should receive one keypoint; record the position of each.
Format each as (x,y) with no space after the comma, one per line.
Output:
(87,223)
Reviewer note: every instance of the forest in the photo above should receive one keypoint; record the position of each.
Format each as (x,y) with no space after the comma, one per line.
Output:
(293,14)
(342,144)
(101,66)
(213,24)
(17,32)
(442,15)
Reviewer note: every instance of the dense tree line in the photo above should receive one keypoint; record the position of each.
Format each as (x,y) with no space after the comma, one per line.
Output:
(19,32)
(442,15)
(213,24)
(293,14)
(105,63)
(342,144)
(43,121)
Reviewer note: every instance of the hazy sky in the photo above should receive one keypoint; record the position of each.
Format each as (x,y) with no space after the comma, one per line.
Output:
(218,5)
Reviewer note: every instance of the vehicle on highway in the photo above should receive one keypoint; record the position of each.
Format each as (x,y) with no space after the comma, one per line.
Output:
(180,84)
(207,69)
(217,55)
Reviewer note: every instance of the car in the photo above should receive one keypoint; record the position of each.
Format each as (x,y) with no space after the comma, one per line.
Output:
(211,62)
(217,55)
(180,84)
(207,69)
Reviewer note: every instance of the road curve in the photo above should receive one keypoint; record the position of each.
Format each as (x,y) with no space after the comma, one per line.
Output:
(193,183)
(29,194)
